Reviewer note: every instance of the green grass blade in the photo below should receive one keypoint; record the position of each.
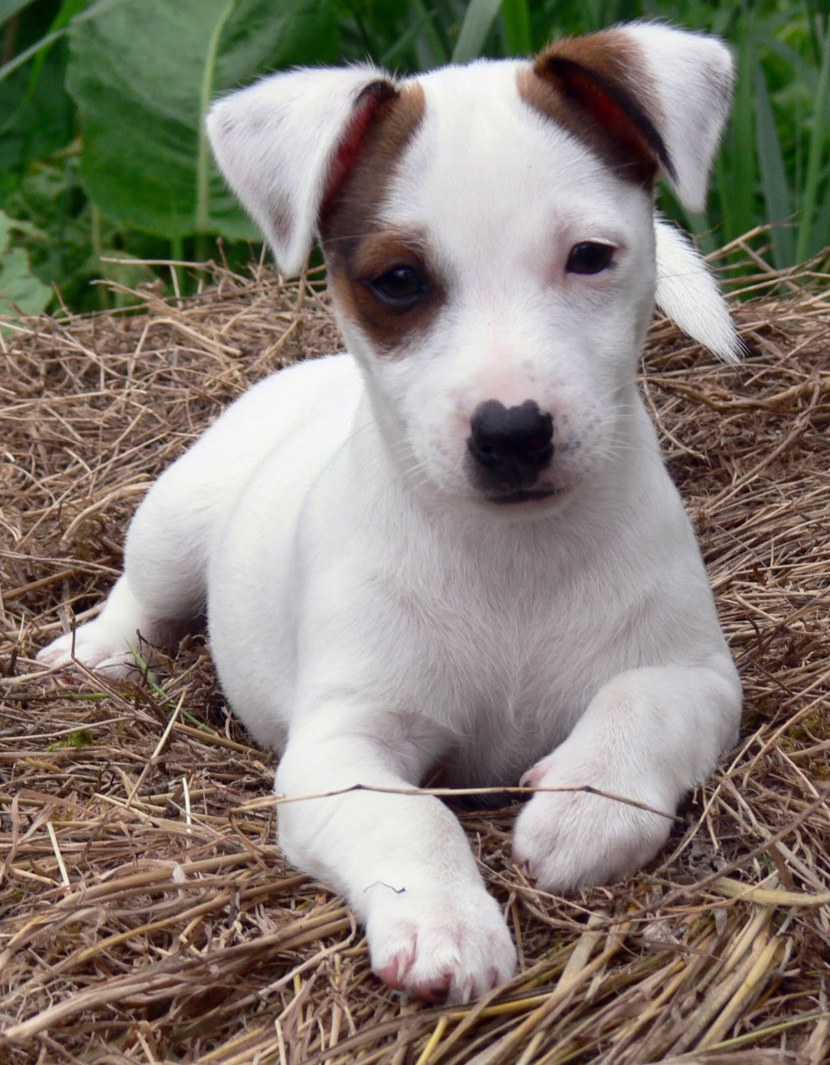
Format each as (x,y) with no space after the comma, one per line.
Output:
(515,16)
(809,239)
(62,27)
(29,53)
(478,21)
(694,223)
(396,55)
(736,168)
(69,10)
(433,51)
(777,196)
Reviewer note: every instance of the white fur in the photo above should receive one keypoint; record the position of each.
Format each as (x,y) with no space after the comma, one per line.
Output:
(372,615)
(693,76)
(688,294)
(274,142)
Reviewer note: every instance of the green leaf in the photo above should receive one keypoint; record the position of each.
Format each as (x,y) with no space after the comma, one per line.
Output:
(143,74)
(20,291)
(14,225)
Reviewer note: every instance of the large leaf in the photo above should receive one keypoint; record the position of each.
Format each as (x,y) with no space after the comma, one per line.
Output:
(144,72)
(20,291)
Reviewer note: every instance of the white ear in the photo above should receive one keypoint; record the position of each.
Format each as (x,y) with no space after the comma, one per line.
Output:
(280,143)
(692,75)
(688,294)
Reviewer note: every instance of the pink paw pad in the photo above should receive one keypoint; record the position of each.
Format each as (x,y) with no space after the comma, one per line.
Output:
(395,971)
(434,990)
(535,774)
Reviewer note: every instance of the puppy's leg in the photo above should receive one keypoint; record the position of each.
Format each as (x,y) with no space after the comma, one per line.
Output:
(402,861)
(649,735)
(169,542)
(163,586)
(105,643)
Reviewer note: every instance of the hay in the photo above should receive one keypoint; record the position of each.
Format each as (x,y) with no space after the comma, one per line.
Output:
(146,914)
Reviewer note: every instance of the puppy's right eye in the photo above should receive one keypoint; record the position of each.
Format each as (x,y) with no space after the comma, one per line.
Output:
(399,288)
(590,257)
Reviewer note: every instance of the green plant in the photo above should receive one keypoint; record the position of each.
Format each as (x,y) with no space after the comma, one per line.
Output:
(19,287)
(103,155)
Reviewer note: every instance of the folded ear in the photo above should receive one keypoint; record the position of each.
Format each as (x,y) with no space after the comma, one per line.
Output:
(648,96)
(285,143)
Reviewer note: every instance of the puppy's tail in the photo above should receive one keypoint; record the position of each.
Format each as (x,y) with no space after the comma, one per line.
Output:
(689,295)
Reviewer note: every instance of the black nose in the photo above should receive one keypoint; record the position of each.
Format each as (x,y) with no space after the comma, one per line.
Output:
(511,443)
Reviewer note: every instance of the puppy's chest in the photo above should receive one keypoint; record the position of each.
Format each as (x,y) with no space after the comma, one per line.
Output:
(499,677)
(500,645)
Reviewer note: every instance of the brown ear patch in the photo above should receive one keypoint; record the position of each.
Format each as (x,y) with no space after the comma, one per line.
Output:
(357,243)
(349,147)
(385,120)
(598,88)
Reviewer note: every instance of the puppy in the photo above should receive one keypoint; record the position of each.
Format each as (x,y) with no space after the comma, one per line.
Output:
(457,546)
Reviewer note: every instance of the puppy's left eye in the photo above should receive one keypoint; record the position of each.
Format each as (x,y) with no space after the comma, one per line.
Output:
(399,288)
(590,257)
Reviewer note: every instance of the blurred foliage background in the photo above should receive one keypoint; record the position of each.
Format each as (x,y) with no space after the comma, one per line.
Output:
(104,168)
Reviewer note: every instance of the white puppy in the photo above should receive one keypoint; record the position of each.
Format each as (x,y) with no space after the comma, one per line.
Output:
(457,547)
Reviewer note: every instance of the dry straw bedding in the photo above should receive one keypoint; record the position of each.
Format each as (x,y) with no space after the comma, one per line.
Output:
(146,914)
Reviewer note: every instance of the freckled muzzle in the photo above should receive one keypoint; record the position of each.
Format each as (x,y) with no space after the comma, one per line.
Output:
(509,447)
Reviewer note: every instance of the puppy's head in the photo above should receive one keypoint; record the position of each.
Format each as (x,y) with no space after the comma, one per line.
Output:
(489,234)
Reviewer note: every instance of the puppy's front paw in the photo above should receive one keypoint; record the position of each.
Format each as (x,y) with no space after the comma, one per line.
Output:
(436,945)
(570,840)
(95,645)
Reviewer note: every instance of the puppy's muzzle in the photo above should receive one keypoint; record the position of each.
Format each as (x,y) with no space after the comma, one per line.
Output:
(510,446)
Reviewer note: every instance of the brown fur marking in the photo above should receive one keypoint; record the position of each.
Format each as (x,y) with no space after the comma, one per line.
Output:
(358,246)
(598,89)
